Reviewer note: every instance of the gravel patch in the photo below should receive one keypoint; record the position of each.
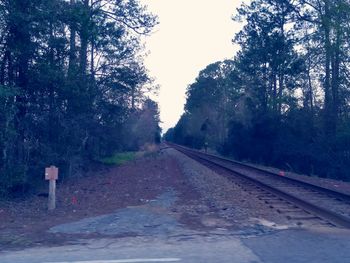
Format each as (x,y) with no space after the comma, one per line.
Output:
(227,205)
(140,220)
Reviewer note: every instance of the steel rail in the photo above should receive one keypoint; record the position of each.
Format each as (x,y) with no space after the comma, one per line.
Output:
(335,193)
(326,214)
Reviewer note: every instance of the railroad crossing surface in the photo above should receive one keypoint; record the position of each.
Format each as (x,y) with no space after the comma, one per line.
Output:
(197,215)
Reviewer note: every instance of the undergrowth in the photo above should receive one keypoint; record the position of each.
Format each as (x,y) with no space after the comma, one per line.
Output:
(119,158)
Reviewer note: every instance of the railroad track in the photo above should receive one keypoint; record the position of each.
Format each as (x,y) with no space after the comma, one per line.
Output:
(301,203)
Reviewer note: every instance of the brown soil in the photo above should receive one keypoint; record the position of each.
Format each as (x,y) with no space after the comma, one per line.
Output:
(206,200)
(25,223)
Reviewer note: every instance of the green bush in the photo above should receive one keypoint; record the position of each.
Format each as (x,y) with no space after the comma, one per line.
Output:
(119,158)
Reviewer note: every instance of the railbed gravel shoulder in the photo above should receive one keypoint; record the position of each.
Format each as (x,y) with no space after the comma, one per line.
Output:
(225,199)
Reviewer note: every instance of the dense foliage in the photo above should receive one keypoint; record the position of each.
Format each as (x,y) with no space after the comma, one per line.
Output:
(72,85)
(284,99)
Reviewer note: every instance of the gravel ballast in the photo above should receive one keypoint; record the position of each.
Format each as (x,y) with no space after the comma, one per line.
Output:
(225,199)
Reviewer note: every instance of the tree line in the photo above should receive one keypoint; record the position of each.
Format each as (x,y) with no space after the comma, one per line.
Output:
(73,85)
(284,99)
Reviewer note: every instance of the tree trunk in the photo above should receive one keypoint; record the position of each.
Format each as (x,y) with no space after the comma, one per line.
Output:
(92,60)
(72,45)
(329,125)
(274,93)
(84,39)
(310,93)
(336,73)
(2,70)
(282,64)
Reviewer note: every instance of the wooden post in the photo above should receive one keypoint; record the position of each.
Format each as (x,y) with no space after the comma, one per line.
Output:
(52,195)
(51,174)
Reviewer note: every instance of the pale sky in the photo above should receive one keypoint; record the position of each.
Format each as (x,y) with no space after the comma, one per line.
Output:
(191,35)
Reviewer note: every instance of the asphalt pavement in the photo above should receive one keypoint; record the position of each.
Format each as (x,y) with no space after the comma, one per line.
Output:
(152,234)
(294,246)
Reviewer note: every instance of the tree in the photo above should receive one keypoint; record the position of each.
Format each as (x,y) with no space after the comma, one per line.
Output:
(268,59)
(326,26)
(208,107)
(70,74)
(284,100)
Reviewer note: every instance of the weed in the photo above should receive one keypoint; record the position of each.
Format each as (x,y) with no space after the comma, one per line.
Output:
(119,158)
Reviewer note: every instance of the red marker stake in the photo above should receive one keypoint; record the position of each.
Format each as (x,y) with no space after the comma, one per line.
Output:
(74,200)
